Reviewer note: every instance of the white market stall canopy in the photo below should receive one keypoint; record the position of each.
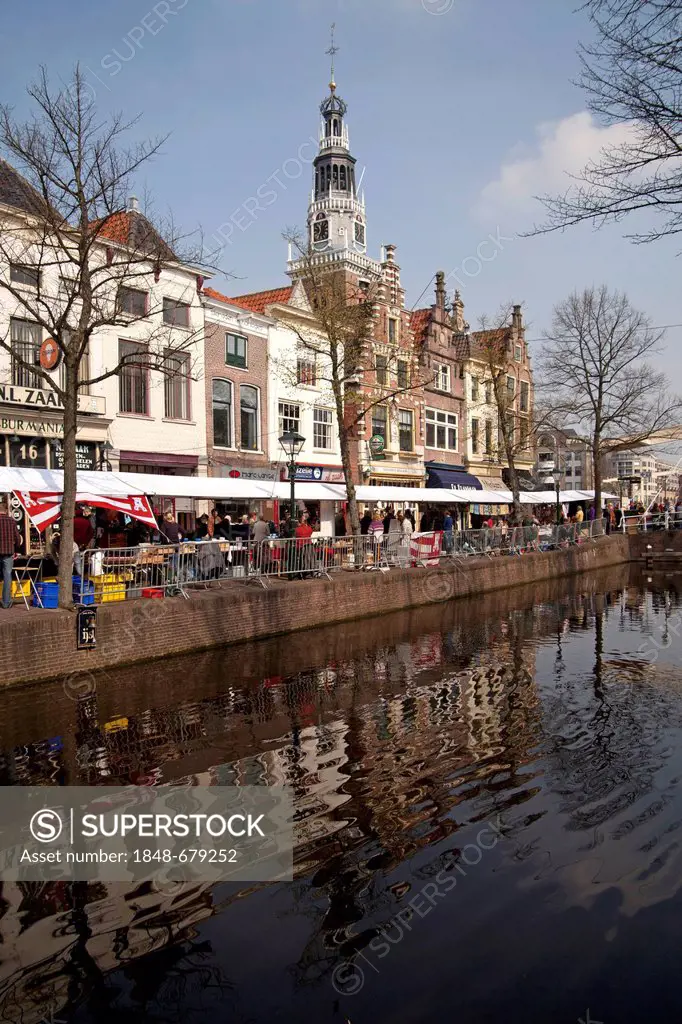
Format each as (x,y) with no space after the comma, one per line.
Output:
(228,488)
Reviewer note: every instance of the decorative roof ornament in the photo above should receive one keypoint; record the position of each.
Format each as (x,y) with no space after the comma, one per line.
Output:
(333,104)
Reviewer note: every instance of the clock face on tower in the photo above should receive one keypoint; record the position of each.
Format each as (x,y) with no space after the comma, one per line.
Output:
(359,232)
(320,230)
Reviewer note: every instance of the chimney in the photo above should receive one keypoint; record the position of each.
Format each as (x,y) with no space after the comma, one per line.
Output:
(133,204)
(517,319)
(390,253)
(440,289)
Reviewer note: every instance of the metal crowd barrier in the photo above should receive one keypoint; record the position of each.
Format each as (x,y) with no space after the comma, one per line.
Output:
(104,575)
(645,521)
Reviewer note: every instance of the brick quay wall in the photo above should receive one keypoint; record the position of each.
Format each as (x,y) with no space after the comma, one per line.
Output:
(41,645)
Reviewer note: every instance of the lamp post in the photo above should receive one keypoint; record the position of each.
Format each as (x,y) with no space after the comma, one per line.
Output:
(292,443)
(557,485)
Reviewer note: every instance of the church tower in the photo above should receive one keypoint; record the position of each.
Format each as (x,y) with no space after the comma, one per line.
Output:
(337,227)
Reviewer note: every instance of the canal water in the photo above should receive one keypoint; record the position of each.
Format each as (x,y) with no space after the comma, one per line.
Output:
(489,795)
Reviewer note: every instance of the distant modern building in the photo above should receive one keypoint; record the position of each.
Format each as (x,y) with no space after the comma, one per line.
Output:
(568,454)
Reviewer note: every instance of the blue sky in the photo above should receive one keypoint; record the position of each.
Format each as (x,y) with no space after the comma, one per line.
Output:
(459,110)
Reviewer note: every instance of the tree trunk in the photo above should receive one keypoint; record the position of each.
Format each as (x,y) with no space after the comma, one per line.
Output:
(69,496)
(596,465)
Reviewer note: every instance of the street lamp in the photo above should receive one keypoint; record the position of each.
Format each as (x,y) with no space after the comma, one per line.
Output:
(292,444)
(104,463)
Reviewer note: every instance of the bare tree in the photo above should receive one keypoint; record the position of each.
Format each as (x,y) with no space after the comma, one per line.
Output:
(492,347)
(632,74)
(595,375)
(340,332)
(71,250)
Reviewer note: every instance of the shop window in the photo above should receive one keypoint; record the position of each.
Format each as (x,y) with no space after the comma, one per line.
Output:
(222,413)
(248,407)
(133,378)
(322,428)
(236,350)
(26,338)
(406,430)
(176,384)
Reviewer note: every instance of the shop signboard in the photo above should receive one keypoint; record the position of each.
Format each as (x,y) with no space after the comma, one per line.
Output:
(27,451)
(85,455)
(16,509)
(46,398)
(316,474)
(248,473)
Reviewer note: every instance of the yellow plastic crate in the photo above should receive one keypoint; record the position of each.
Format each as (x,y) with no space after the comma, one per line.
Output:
(109,591)
(21,590)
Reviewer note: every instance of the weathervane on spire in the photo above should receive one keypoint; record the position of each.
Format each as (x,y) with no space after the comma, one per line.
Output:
(332,51)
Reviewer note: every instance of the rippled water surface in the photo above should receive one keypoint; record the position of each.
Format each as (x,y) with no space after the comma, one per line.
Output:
(490,798)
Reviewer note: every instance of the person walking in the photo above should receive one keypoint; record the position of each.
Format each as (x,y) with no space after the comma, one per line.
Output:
(10,545)
(448,532)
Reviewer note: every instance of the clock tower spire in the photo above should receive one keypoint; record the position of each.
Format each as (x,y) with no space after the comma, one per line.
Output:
(336,216)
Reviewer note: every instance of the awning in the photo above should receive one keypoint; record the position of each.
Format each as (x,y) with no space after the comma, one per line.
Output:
(454,479)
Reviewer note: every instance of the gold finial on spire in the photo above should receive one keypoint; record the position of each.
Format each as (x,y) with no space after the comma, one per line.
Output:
(332,51)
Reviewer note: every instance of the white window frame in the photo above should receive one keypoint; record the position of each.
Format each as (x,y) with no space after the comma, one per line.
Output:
(282,416)
(327,424)
(451,422)
(237,337)
(443,377)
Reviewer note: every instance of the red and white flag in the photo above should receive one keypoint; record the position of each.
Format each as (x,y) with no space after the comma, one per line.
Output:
(45,509)
(425,548)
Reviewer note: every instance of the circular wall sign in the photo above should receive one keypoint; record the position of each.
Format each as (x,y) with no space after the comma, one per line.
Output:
(376,444)
(50,354)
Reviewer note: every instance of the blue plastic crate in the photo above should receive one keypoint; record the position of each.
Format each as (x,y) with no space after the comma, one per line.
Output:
(83,593)
(49,595)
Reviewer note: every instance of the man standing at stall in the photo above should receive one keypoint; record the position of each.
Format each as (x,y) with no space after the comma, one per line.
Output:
(10,544)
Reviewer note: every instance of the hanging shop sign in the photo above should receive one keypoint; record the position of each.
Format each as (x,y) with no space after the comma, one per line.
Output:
(49,354)
(45,398)
(16,509)
(376,446)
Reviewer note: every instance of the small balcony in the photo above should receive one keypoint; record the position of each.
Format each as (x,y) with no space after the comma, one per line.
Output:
(331,141)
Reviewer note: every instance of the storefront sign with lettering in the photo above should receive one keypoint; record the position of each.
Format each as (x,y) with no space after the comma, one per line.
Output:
(45,398)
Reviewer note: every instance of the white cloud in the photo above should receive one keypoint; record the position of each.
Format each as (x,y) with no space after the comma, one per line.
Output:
(563,148)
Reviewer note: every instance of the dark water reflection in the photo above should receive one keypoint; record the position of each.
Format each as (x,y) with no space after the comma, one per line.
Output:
(491,802)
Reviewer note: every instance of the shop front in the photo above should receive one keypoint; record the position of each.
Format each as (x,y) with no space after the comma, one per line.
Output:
(322,512)
(236,508)
(31,437)
(165,464)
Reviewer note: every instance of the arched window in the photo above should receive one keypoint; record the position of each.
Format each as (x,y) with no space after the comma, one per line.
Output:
(342,183)
(327,128)
(222,413)
(248,407)
(329,177)
(335,178)
(336,127)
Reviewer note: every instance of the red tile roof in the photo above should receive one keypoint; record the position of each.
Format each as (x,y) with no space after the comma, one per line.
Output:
(257,301)
(211,293)
(419,321)
(132,228)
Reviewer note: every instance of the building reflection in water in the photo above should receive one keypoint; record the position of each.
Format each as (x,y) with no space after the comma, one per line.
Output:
(431,722)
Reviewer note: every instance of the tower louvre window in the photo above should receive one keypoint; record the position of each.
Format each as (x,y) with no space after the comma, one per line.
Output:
(343,178)
(336,176)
